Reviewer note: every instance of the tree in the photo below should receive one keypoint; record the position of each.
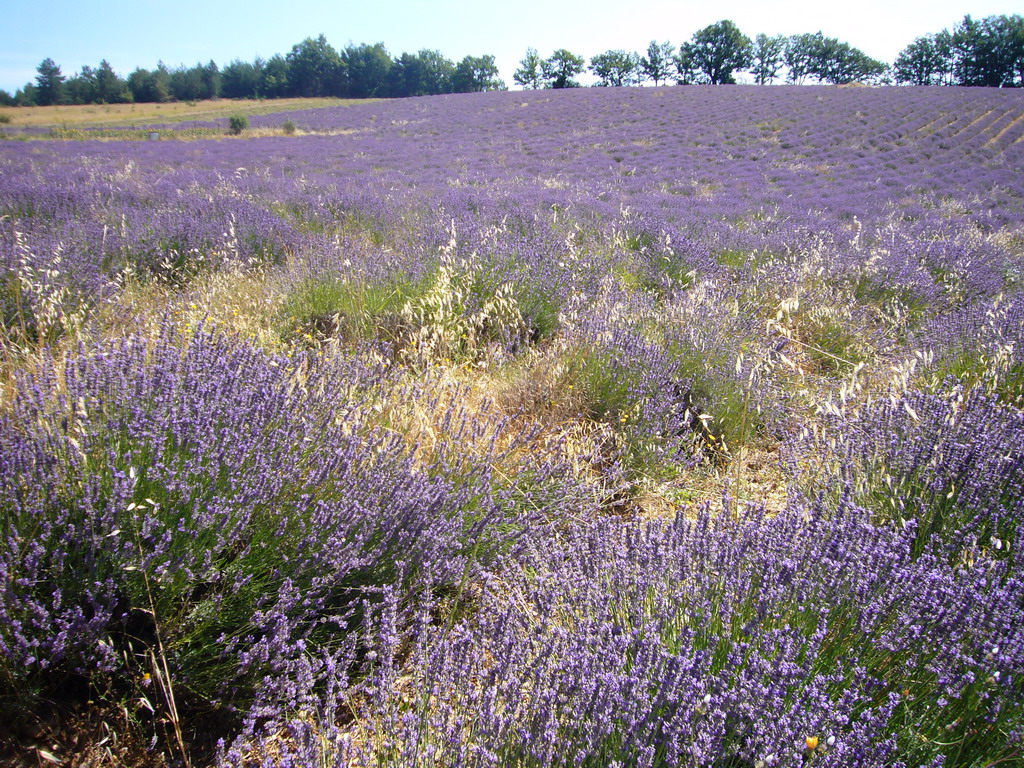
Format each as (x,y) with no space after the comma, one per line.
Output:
(828,60)
(403,77)
(211,78)
(944,49)
(657,64)
(719,50)
(767,58)
(241,79)
(989,52)
(26,97)
(686,71)
(839,63)
(970,51)
(368,67)
(1013,31)
(6,100)
(427,72)
(475,74)
(920,63)
(186,83)
(561,69)
(149,86)
(616,68)
(799,56)
(110,88)
(81,88)
(529,75)
(315,68)
(435,72)
(275,77)
(49,83)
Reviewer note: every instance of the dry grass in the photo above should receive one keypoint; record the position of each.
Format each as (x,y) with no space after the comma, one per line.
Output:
(177,134)
(88,115)
(235,302)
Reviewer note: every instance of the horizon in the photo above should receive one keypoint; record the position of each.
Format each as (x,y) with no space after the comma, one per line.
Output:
(77,36)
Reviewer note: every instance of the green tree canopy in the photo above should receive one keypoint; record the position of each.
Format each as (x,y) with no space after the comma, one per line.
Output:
(989,52)
(81,88)
(838,63)
(686,69)
(26,96)
(421,74)
(561,69)
(475,74)
(367,67)
(767,58)
(315,68)
(150,86)
(530,74)
(187,83)
(657,64)
(435,72)
(616,68)
(275,77)
(719,50)
(49,83)
(920,63)
(799,56)
(211,77)
(241,79)
(828,60)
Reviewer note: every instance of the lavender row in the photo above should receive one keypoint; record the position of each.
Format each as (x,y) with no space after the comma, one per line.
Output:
(192,507)
(898,209)
(812,635)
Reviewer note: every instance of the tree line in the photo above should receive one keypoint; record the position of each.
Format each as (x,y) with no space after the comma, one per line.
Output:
(989,52)
(986,52)
(311,68)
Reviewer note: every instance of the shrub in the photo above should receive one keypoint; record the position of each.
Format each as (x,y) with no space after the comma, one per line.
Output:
(193,510)
(5,118)
(710,641)
(948,466)
(237,124)
(638,390)
(981,346)
(288,127)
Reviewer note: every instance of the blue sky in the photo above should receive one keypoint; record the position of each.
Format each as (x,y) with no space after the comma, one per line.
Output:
(131,33)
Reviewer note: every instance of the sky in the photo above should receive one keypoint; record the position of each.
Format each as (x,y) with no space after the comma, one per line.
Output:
(139,33)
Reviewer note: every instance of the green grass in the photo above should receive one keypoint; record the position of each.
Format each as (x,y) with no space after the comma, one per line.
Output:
(329,307)
(661,276)
(976,369)
(833,343)
(737,258)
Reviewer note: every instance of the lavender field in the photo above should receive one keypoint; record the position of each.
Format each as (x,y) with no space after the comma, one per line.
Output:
(620,427)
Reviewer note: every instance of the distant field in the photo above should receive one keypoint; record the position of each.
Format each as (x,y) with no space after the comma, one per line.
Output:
(99,115)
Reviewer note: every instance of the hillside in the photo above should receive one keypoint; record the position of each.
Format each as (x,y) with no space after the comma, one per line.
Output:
(640,427)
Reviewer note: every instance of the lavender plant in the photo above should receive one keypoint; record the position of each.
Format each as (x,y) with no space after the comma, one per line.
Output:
(979,346)
(709,641)
(194,510)
(707,269)
(947,466)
